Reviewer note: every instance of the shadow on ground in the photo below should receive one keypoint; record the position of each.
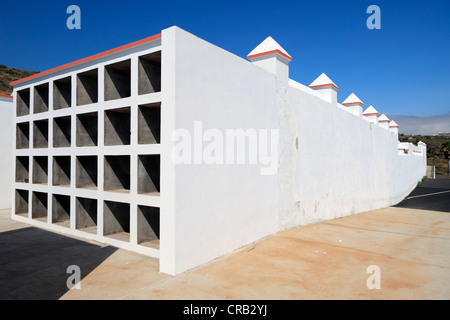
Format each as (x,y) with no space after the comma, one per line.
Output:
(33,263)
(431,195)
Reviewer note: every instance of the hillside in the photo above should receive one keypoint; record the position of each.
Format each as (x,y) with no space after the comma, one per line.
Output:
(434,155)
(10,74)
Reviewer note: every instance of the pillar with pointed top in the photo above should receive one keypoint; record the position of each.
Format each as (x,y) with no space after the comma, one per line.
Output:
(354,104)
(270,56)
(371,114)
(383,120)
(393,127)
(325,86)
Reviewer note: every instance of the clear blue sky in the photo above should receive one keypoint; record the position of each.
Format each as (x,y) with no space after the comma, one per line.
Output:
(404,68)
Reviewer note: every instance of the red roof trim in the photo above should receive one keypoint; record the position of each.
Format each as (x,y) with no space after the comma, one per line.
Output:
(384,120)
(393,126)
(269,52)
(325,85)
(370,114)
(95,56)
(6,96)
(350,103)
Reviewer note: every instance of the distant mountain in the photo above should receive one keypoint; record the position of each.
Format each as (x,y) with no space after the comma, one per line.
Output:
(11,74)
(422,125)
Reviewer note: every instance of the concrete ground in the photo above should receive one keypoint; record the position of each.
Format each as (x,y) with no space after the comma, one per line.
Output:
(327,260)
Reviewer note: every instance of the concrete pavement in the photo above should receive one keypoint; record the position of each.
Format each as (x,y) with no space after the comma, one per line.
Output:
(327,260)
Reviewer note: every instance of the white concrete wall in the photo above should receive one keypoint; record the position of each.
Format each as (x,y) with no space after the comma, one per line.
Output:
(6,146)
(331,162)
(343,164)
(213,208)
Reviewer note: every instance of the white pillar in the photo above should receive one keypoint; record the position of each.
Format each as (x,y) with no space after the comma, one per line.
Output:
(270,56)
(325,86)
(354,104)
(371,114)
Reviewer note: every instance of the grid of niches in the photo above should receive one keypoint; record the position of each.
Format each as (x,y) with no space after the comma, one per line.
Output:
(87,143)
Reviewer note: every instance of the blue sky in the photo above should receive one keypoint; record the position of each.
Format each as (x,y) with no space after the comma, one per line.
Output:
(403,68)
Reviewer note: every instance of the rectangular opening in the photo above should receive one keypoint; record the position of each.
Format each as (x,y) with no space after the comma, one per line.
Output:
(21,202)
(148,226)
(40,134)
(62,132)
(149,73)
(117,173)
(61,210)
(87,87)
(149,123)
(23,102)
(22,169)
(117,126)
(86,215)
(23,135)
(39,206)
(118,80)
(116,220)
(61,171)
(86,172)
(148,174)
(40,101)
(40,170)
(87,129)
(62,93)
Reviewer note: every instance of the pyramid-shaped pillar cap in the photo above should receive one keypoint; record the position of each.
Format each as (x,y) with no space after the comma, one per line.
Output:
(383,118)
(370,111)
(269,47)
(323,81)
(393,124)
(352,99)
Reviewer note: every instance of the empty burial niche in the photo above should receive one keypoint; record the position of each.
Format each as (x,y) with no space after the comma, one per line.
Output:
(62,93)
(61,171)
(87,129)
(87,87)
(149,73)
(86,172)
(117,173)
(22,169)
(61,210)
(40,134)
(118,80)
(40,102)
(149,123)
(39,206)
(40,170)
(117,126)
(23,102)
(23,135)
(148,226)
(86,215)
(116,220)
(148,174)
(62,132)
(21,202)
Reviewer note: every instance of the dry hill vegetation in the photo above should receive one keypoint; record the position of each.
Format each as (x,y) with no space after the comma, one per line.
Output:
(10,74)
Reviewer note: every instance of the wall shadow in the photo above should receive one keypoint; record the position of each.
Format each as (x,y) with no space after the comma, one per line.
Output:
(33,263)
